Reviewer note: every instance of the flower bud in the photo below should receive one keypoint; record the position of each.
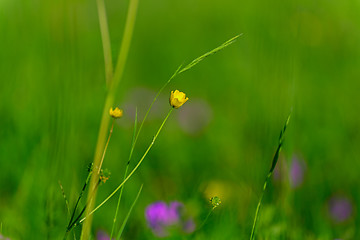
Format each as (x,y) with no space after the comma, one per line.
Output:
(116,113)
(177,99)
(215,201)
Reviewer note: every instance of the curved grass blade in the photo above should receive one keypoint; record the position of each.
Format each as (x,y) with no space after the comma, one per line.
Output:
(281,140)
(128,214)
(215,50)
(180,70)
(273,164)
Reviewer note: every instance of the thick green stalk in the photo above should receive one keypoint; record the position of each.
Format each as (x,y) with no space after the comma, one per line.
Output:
(124,49)
(97,158)
(125,44)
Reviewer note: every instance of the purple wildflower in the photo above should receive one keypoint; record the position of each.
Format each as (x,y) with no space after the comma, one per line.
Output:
(189,226)
(4,238)
(296,172)
(101,235)
(340,208)
(161,217)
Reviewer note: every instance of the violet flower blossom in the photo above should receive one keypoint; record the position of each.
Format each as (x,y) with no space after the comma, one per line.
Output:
(4,238)
(296,172)
(101,235)
(340,209)
(161,217)
(293,173)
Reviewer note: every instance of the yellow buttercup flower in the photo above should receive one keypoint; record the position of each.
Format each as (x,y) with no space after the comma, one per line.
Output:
(116,113)
(177,99)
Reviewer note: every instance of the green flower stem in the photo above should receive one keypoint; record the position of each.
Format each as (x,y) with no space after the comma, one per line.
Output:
(106,146)
(118,203)
(132,172)
(125,174)
(205,220)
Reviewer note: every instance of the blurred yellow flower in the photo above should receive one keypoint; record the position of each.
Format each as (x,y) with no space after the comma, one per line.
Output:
(177,99)
(116,113)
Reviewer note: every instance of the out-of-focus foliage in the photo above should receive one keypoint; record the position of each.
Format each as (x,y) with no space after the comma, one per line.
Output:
(303,55)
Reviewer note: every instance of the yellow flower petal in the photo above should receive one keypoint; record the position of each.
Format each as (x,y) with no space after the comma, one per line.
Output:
(177,99)
(116,113)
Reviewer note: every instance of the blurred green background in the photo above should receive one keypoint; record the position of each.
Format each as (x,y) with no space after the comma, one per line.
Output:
(303,55)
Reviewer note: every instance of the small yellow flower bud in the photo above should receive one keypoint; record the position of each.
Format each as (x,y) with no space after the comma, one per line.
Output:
(116,113)
(177,99)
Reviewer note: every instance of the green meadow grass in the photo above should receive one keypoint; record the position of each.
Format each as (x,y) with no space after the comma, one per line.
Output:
(301,55)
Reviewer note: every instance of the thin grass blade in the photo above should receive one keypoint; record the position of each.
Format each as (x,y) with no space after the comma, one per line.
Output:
(65,198)
(66,203)
(215,50)
(281,140)
(274,161)
(125,174)
(128,214)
